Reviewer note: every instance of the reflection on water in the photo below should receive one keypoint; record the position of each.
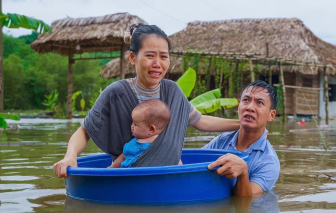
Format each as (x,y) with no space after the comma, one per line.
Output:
(307,179)
(267,202)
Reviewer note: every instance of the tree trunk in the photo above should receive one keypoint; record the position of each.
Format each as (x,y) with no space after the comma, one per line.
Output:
(326,95)
(283,89)
(1,67)
(71,62)
(122,63)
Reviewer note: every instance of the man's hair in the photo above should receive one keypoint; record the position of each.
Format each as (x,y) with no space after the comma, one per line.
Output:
(155,112)
(269,89)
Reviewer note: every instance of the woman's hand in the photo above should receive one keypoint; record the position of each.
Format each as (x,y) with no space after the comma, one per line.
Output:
(76,145)
(60,168)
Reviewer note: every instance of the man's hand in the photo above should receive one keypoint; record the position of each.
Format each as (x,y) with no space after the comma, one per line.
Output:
(60,168)
(231,166)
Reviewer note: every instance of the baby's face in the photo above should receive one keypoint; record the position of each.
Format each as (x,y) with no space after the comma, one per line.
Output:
(139,128)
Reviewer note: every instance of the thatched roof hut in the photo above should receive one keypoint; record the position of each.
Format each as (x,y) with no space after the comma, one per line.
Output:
(71,36)
(93,34)
(282,38)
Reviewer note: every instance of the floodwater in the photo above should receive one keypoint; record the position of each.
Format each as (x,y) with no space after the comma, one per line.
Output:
(307,181)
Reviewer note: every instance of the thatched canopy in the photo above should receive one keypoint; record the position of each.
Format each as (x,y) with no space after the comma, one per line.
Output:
(283,38)
(94,34)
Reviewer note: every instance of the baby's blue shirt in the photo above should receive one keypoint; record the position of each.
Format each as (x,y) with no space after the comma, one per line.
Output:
(132,150)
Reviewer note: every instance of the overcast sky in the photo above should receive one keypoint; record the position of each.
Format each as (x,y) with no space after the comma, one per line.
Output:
(173,15)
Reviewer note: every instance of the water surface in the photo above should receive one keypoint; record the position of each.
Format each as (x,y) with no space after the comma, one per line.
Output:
(307,181)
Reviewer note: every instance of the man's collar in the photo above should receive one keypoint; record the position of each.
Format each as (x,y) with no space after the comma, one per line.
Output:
(259,144)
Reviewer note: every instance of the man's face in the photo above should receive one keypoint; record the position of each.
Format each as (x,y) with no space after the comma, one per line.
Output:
(254,109)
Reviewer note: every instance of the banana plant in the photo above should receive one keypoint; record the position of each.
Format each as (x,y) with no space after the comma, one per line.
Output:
(207,102)
(13,20)
(3,116)
(51,100)
(210,102)
(187,81)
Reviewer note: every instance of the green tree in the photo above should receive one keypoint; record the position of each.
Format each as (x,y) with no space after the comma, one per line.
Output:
(15,21)
(15,92)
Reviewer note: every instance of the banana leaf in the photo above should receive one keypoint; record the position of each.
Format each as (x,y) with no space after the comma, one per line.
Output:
(187,81)
(213,94)
(12,20)
(210,102)
(3,116)
(7,116)
(3,123)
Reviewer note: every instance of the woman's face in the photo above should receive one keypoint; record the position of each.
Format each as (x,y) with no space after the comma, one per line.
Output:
(152,61)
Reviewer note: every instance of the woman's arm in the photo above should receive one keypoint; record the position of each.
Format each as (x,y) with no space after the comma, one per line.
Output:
(76,145)
(215,124)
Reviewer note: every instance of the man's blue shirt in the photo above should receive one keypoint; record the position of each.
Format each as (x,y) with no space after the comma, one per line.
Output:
(264,165)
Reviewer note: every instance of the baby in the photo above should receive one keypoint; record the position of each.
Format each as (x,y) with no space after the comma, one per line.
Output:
(150,118)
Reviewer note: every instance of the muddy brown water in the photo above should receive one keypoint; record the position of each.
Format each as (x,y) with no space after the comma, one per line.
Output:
(307,181)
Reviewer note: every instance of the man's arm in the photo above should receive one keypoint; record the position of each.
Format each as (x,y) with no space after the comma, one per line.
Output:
(118,161)
(233,166)
(215,124)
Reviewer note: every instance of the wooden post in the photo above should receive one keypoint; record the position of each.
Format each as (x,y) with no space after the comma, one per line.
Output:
(251,70)
(71,62)
(270,74)
(326,95)
(208,76)
(295,99)
(1,66)
(122,63)
(283,89)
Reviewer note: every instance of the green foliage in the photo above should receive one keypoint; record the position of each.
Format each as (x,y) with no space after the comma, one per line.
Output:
(15,94)
(60,110)
(28,76)
(74,97)
(82,104)
(187,81)
(211,102)
(3,123)
(51,100)
(12,20)
(28,39)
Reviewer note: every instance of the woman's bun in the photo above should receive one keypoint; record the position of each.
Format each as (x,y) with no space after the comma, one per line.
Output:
(127,37)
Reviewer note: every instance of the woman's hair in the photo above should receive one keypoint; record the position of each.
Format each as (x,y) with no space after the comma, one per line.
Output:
(140,31)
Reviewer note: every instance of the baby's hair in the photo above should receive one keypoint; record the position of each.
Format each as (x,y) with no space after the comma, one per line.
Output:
(155,112)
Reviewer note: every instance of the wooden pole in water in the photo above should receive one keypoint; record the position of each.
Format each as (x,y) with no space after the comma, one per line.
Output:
(122,63)
(326,95)
(71,62)
(251,70)
(283,89)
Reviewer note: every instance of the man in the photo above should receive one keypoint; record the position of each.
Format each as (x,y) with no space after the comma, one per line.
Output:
(257,107)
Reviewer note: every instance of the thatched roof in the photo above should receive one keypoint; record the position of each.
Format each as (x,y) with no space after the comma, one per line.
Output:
(112,68)
(286,38)
(93,34)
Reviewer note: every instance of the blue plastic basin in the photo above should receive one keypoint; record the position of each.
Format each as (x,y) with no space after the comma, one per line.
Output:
(92,181)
